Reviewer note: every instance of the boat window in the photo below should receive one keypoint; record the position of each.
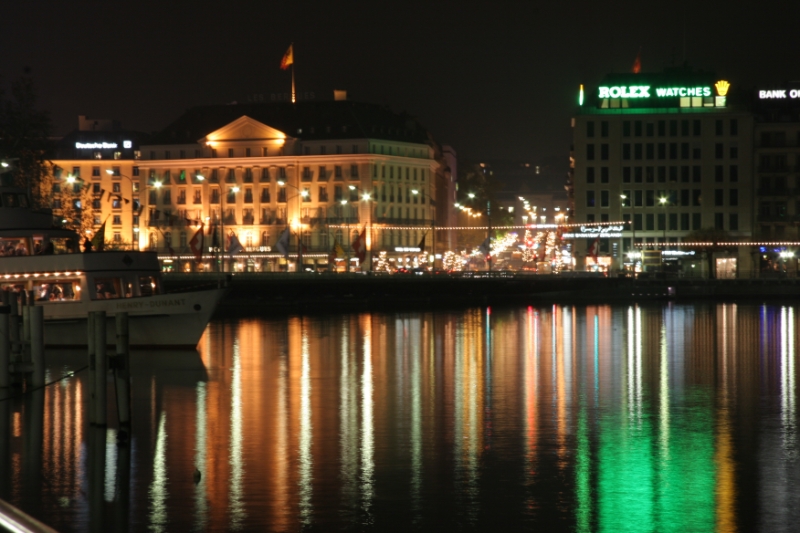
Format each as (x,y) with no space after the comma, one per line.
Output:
(60,245)
(10,200)
(10,247)
(107,288)
(67,290)
(148,285)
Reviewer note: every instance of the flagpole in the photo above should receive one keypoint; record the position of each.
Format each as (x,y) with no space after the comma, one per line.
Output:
(294,99)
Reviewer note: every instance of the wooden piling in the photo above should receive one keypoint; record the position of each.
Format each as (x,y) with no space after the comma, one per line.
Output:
(36,317)
(101,368)
(92,369)
(122,375)
(5,347)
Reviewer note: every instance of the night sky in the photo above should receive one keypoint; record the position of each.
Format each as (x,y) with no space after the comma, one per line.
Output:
(496,80)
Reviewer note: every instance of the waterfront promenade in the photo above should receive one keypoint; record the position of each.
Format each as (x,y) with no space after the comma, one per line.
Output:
(249,292)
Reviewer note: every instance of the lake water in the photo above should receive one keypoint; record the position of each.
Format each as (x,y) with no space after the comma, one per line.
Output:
(558,418)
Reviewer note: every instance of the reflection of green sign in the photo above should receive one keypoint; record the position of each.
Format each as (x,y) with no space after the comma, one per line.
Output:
(644,91)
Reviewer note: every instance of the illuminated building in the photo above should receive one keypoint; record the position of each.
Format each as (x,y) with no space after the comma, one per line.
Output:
(326,170)
(103,156)
(668,153)
(777,163)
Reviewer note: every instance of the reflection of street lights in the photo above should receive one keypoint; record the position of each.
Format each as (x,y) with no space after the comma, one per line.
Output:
(304,194)
(433,225)
(366,197)
(633,231)
(663,201)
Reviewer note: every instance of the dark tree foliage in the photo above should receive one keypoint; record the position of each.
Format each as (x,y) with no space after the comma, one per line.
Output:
(24,140)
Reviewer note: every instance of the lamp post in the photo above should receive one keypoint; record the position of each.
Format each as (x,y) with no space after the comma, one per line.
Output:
(134,229)
(304,194)
(433,225)
(365,196)
(633,232)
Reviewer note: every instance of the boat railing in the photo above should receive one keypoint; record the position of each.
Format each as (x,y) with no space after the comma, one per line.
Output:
(13,519)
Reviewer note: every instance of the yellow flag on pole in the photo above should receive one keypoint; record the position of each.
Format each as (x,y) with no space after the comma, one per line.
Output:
(288,58)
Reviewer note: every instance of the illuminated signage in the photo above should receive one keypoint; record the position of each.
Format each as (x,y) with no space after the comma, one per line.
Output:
(127,144)
(594,232)
(779,94)
(643,91)
(407,249)
(95,146)
(683,91)
(722,87)
(634,91)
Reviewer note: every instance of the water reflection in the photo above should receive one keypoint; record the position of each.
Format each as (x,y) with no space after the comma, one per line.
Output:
(599,418)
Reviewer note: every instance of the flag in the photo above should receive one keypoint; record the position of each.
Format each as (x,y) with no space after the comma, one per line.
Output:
(234,246)
(196,244)
(486,246)
(593,249)
(336,252)
(283,244)
(99,238)
(637,65)
(421,244)
(214,236)
(360,246)
(288,58)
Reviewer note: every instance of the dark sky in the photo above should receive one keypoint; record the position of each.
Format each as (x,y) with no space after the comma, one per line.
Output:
(497,80)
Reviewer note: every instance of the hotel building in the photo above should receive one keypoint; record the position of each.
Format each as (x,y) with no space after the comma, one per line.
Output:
(102,156)
(326,170)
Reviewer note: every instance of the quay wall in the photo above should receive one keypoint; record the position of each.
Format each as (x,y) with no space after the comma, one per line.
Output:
(278,292)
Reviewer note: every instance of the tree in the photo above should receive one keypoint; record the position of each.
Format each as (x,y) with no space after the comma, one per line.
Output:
(712,237)
(24,141)
(74,206)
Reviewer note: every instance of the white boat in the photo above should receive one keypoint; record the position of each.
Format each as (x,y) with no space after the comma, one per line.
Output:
(38,256)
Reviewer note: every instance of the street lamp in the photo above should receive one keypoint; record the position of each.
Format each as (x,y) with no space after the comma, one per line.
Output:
(134,229)
(663,201)
(433,225)
(365,196)
(304,194)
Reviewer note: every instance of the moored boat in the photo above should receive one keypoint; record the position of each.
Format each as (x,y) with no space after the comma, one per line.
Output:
(44,259)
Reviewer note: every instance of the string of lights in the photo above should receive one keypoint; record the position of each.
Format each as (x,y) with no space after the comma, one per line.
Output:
(378,226)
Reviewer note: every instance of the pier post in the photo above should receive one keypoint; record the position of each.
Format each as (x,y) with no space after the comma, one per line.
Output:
(122,374)
(101,368)
(92,369)
(5,347)
(36,317)
(13,322)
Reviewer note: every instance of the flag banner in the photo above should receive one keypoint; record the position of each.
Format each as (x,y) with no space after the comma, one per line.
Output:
(99,238)
(196,244)
(421,244)
(486,246)
(126,201)
(283,244)
(234,246)
(102,193)
(637,65)
(594,249)
(336,252)
(360,246)
(288,58)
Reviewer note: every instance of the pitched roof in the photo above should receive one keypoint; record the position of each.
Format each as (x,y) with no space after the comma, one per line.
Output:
(309,120)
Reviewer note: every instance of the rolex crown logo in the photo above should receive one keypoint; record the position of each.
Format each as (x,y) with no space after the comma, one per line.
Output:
(722,87)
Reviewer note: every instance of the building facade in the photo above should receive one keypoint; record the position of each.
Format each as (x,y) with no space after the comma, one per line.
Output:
(102,158)
(667,154)
(329,172)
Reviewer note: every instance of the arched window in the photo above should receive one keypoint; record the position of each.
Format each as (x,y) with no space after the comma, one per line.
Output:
(183,239)
(264,238)
(153,241)
(168,239)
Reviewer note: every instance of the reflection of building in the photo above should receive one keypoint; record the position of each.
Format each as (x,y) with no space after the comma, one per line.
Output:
(665,151)
(103,156)
(325,169)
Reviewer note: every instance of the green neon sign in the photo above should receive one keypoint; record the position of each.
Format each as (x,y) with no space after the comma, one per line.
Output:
(646,91)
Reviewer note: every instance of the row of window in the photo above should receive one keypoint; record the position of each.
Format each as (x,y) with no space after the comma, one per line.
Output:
(399,195)
(97,172)
(265,151)
(673,221)
(652,151)
(662,174)
(664,198)
(663,128)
